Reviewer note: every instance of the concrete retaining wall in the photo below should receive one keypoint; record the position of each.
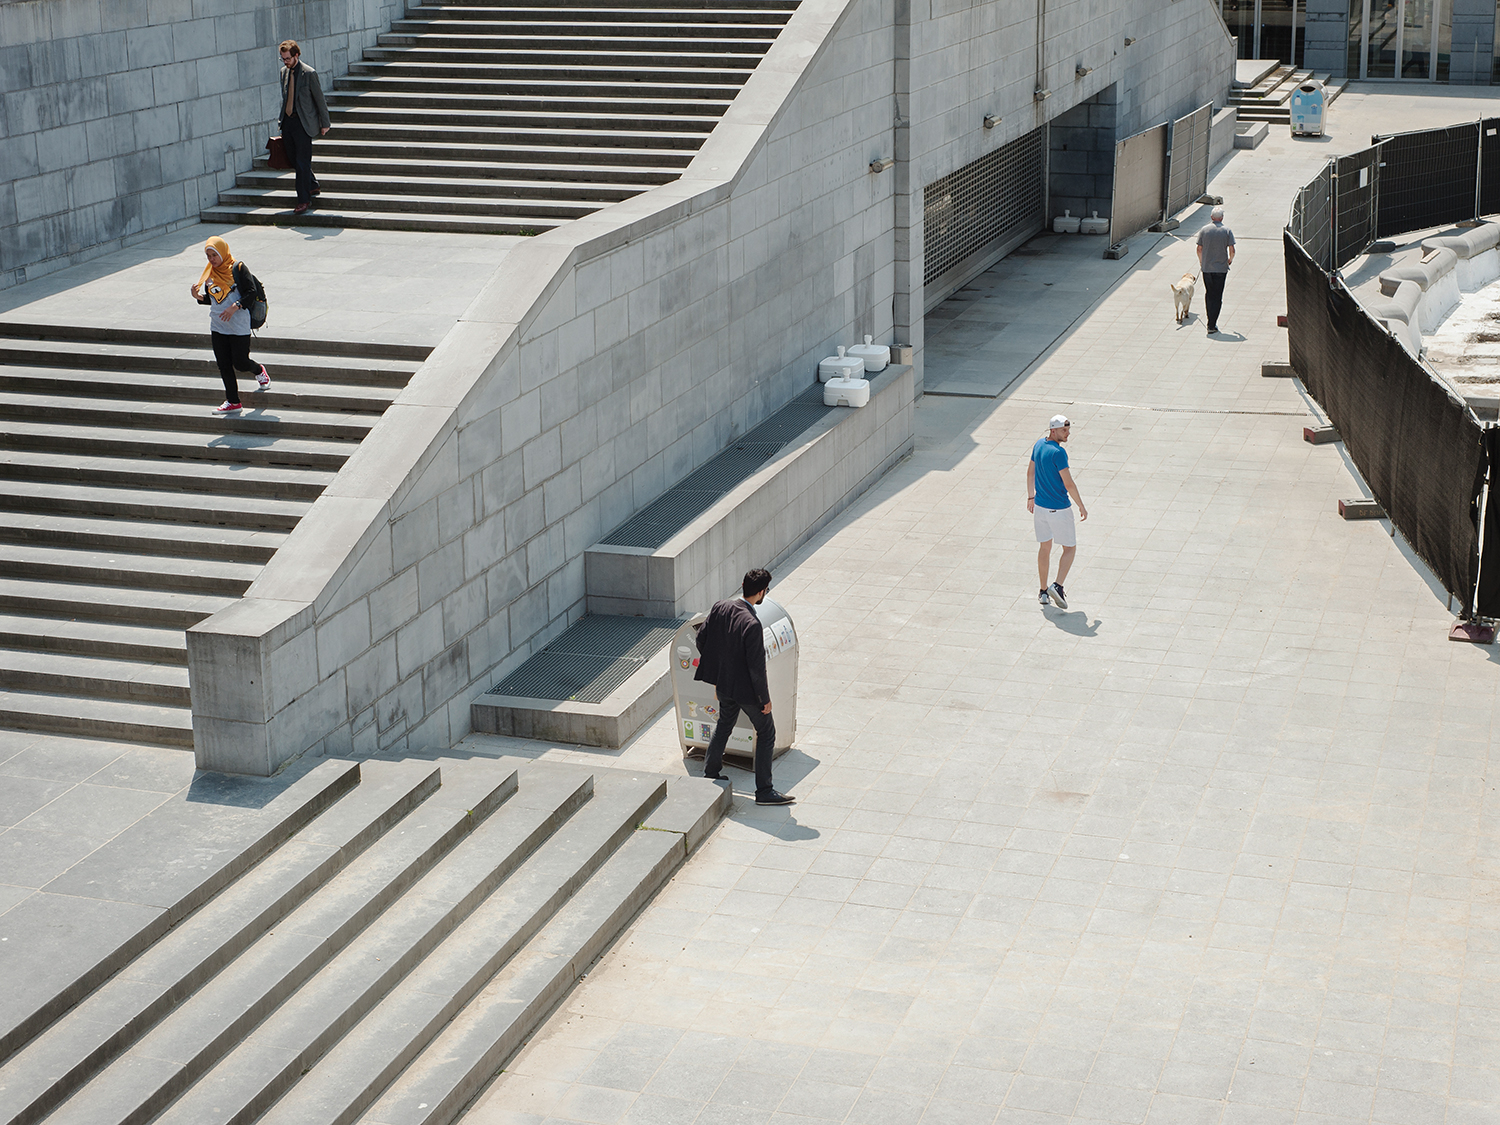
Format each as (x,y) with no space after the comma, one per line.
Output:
(608,358)
(122,118)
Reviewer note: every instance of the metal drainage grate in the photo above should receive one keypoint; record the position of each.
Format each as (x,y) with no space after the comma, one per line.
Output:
(674,509)
(590,659)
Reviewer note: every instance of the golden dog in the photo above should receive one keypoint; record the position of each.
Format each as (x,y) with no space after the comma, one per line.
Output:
(1182,295)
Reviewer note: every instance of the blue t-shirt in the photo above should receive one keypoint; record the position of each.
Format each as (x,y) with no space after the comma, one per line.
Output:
(1050,459)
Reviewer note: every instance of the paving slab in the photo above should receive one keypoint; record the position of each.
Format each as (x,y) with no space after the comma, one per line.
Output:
(1212,845)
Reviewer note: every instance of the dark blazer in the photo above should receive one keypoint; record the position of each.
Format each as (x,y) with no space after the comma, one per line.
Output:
(311,109)
(732,653)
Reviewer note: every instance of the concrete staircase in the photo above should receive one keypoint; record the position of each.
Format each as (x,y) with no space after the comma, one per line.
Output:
(513,117)
(130,512)
(1270,98)
(379,960)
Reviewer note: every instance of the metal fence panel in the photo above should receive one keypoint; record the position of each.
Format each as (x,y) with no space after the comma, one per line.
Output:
(1428,179)
(1140,183)
(1489,166)
(1187,161)
(1311,222)
(997,198)
(1355,198)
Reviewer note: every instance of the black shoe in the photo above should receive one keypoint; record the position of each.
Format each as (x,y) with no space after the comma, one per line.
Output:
(1059,598)
(775,798)
(721,779)
(1042,597)
(1213,329)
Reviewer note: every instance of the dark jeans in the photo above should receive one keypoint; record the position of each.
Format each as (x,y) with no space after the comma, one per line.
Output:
(233,353)
(299,151)
(1213,296)
(765,742)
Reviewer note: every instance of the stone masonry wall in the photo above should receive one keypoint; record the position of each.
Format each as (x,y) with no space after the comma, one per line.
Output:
(123,118)
(604,360)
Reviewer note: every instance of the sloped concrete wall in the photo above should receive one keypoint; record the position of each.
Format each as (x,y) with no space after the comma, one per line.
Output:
(608,358)
(123,118)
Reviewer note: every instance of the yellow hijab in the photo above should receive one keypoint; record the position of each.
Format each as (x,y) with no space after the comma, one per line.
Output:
(218,280)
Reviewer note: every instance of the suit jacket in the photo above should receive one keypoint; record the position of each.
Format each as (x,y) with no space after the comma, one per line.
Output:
(732,653)
(311,109)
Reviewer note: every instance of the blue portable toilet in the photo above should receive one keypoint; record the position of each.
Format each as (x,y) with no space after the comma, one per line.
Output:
(1308,103)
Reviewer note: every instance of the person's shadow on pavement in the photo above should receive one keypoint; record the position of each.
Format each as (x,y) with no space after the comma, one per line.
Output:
(1222,337)
(1076,623)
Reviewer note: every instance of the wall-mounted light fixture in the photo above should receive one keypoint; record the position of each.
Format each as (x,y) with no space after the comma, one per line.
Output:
(1129,41)
(990,120)
(1081,71)
(878,166)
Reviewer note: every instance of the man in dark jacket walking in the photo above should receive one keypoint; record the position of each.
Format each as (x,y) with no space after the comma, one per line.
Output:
(732,657)
(304,115)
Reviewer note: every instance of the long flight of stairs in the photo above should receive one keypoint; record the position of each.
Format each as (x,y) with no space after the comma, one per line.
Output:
(1270,99)
(130,512)
(509,117)
(402,929)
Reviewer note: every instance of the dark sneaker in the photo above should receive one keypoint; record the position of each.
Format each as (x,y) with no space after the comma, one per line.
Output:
(721,779)
(1059,599)
(774,798)
(1042,596)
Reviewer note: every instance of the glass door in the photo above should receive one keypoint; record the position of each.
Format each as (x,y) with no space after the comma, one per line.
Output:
(1401,39)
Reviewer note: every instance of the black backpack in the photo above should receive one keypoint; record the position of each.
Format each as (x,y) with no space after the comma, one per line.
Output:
(252,294)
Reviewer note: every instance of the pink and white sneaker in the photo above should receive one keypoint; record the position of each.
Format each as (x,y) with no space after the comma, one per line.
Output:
(227,407)
(263,380)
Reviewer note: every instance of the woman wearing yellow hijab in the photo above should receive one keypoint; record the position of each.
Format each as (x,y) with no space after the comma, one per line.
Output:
(228,322)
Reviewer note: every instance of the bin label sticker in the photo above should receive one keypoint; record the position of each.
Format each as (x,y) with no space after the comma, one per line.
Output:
(687,730)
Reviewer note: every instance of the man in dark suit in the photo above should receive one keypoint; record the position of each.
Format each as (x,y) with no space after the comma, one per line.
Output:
(304,115)
(732,657)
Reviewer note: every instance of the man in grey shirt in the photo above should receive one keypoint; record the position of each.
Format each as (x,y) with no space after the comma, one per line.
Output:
(1215,253)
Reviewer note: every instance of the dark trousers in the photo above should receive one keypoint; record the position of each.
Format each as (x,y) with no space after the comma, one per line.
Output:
(232,353)
(1213,296)
(765,742)
(299,151)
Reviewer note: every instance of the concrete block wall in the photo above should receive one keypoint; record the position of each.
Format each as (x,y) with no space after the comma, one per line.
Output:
(1471,60)
(1081,160)
(121,119)
(608,358)
(1325,40)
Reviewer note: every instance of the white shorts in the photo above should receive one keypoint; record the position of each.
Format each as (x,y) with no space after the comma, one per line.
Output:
(1054,524)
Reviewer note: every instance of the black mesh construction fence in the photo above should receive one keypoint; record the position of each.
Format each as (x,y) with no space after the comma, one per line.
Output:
(1428,179)
(1354,204)
(1311,222)
(1489,166)
(1420,450)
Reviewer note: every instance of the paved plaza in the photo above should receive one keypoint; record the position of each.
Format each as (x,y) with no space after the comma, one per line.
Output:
(1211,846)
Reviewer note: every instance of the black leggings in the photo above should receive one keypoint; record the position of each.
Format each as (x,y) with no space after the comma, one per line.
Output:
(233,354)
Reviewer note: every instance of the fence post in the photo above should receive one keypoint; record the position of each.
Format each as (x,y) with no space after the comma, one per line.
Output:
(1333,216)
(1478,163)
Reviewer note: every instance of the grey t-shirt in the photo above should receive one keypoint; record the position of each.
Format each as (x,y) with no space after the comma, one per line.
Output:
(238,323)
(1216,239)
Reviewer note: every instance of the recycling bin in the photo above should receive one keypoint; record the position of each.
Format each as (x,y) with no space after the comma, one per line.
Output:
(697,705)
(1307,108)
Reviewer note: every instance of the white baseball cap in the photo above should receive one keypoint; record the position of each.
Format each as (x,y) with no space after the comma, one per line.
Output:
(1058,422)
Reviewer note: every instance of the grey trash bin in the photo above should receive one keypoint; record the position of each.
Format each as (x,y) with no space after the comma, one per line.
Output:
(697,706)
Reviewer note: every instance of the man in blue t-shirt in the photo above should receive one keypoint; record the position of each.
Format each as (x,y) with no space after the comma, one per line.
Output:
(1048,487)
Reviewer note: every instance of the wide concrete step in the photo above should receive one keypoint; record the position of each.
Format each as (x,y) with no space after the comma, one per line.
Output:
(97,677)
(639,124)
(459,135)
(368,162)
(99,384)
(38,633)
(258,417)
(645,70)
(281,215)
(571,43)
(604,57)
(152,537)
(238,443)
(108,601)
(359,184)
(105,502)
(689,7)
(703,15)
(205,482)
(221,577)
(376,355)
(94,1032)
(436,153)
(402,940)
(374,201)
(570,27)
(642,92)
(196,358)
(682,112)
(117,719)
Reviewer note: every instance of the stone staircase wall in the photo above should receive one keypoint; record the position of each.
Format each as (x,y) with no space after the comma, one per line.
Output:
(124,120)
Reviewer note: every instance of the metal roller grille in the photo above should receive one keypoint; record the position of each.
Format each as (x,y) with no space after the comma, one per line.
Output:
(984,201)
